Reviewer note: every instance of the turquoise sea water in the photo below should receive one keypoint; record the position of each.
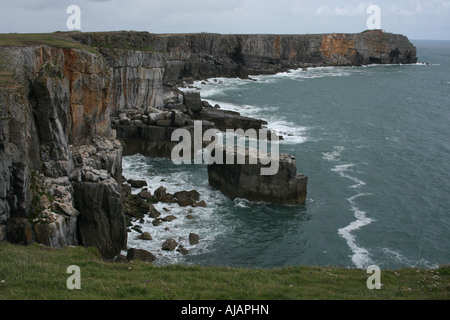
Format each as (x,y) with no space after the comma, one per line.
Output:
(375,144)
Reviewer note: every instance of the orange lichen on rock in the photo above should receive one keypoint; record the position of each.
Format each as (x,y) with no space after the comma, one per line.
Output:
(337,45)
(277,45)
(292,54)
(89,93)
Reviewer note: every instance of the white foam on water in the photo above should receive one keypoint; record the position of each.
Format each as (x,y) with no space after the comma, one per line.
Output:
(360,256)
(216,86)
(342,169)
(242,203)
(309,73)
(244,110)
(291,133)
(205,223)
(211,91)
(399,258)
(375,65)
(333,155)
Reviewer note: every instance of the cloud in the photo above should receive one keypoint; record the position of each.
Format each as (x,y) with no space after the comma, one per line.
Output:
(323,10)
(38,5)
(349,10)
(418,8)
(352,10)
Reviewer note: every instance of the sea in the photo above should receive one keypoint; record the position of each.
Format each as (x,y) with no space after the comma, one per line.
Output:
(374,142)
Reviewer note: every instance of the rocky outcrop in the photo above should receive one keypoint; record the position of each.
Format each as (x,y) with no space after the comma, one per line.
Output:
(97,196)
(150,132)
(56,140)
(140,254)
(206,55)
(370,47)
(101,224)
(246,181)
(224,119)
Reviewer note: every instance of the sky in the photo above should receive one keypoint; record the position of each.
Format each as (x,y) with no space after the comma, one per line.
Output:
(417,19)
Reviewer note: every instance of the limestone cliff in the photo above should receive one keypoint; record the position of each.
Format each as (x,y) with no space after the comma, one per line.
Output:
(212,55)
(55,140)
(60,162)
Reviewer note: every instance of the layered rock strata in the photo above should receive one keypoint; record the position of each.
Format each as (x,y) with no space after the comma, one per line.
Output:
(149,132)
(244,180)
(60,162)
(206,55)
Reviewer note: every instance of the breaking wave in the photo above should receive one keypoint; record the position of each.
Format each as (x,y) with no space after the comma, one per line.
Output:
(360,256)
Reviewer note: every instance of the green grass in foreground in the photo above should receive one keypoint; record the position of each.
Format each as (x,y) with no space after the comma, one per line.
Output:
(55,39)
(35,272)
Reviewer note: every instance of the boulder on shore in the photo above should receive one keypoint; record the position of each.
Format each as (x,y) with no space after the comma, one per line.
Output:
(194,239)
(169,245)
(193,101)
(145,236)
(140,254)
(137,183)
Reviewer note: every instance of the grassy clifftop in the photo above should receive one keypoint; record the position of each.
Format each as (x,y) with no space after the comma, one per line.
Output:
(36,272)
(56,39)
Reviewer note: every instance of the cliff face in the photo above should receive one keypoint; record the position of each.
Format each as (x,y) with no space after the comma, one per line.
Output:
(212,55)
(60,162)
(137,79)
(370,47)
(55,135)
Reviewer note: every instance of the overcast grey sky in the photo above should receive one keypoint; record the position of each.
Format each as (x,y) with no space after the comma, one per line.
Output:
(418,19)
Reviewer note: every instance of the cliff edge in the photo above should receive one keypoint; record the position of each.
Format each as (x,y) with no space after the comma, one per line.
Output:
(208,55)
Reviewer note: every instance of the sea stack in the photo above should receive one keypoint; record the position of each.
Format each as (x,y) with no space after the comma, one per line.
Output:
(246,181)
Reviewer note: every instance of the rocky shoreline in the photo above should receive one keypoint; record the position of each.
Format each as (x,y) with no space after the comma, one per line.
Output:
(181,109)
(133,127)
(139,209)
(69,112)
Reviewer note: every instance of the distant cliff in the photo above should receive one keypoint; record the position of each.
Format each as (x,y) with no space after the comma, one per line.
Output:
(211,55)
(143,62)
(60,161)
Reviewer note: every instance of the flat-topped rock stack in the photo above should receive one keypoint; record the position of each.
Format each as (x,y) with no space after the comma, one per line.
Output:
(246,180)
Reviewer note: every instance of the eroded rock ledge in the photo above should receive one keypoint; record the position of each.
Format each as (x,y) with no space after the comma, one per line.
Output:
(246,181)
